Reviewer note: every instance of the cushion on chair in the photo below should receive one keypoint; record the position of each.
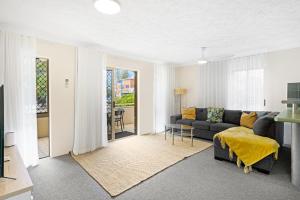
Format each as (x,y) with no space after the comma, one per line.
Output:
(185,121)
(201,114)
(232,116)
(202,125)
(218,127)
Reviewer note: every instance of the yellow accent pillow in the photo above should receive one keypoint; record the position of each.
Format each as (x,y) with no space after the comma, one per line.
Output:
(189,113)
(247,120)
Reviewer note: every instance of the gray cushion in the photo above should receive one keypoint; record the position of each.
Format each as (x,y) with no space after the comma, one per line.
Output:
(259,113)
(232,116)
(203,125)
(201,114)
(185,121)
(262,125)
(174,118)
(218,127)
(204,134)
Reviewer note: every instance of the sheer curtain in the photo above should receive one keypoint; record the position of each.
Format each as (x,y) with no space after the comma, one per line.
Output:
(234,84)
(245,89)
(213,80)
(17,67)
(164,99)
(90,103)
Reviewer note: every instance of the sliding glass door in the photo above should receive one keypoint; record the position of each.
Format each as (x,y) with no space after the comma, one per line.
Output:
(121,103)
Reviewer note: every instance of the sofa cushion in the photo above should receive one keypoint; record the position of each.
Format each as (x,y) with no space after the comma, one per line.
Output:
(232,116)
(174,118)
(203,125)
(262,125)
(215,115)
(204,134)
(189,113)
(259,113)
(247,120)
(185,121)
(201,114)
(218,127)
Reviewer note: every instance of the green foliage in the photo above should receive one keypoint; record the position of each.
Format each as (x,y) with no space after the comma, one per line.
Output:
(125,100)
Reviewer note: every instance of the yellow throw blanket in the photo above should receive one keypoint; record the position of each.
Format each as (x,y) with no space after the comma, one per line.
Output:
(248,147)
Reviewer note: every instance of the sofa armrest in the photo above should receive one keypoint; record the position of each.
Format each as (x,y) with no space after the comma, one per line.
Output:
(174,118)
(277,130)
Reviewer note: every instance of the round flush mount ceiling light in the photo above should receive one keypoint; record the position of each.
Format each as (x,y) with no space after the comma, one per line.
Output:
(202,62)
(109,7)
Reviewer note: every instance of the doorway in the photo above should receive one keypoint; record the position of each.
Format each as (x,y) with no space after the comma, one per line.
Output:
(121,103)
(42,99)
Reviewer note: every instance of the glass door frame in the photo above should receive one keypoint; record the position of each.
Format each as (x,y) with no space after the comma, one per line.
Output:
(112,104)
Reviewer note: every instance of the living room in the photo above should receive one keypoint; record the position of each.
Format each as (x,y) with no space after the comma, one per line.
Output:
(210,91)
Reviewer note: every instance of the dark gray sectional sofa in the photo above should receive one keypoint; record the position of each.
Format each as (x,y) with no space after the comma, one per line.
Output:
(231,118)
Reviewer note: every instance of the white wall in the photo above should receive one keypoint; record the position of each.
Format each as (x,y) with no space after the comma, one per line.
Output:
(189,77)
(145,89)
(282,67)
(62,62)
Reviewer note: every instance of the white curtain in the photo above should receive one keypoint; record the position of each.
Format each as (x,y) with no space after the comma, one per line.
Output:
(245,88)
(17,68)
(164,99)
(90,101)
(213,80)
(234,84)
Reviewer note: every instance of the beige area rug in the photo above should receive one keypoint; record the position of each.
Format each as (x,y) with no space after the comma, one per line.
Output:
(129,161)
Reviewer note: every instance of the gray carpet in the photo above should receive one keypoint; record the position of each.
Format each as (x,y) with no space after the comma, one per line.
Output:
(197,177)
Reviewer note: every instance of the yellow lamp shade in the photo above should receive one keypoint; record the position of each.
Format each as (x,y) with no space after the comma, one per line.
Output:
(180,91)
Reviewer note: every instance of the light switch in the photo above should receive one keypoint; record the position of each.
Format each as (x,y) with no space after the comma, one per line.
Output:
(67,82)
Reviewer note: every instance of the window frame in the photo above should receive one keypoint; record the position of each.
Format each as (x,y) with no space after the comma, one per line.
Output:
(44,114)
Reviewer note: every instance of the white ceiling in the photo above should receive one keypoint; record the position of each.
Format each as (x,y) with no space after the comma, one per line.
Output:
(163,30)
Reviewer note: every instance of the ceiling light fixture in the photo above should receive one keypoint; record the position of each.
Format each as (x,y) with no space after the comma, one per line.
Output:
(202,61)
(109,7)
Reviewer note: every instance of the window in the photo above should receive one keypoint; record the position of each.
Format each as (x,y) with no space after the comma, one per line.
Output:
(245,89)
(42,85)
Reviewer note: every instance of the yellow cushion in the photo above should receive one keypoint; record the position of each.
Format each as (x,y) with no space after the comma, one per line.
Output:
(247,120)
(189,113)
